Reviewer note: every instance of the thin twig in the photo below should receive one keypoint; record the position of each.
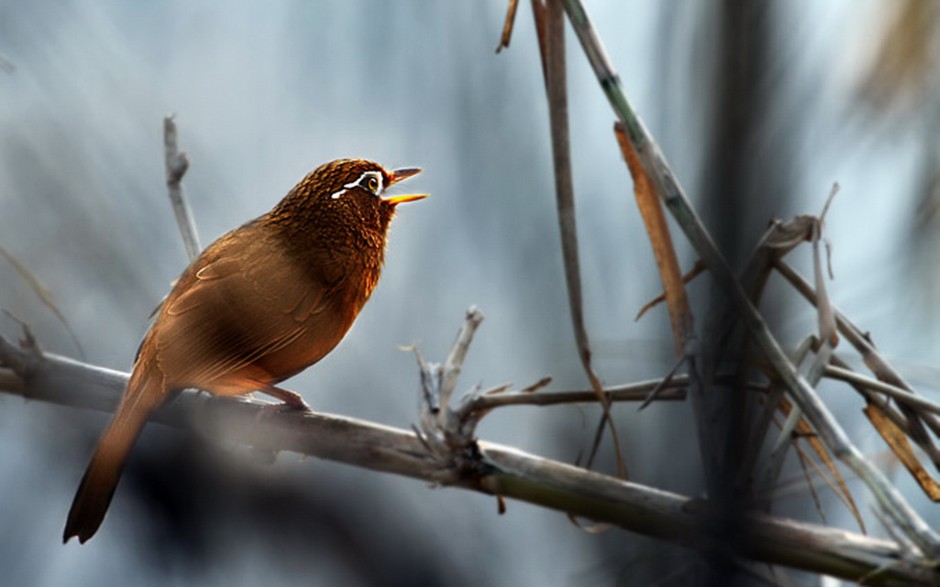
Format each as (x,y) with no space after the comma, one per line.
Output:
(899,394)
(870,355)
(899,421)
(673,390)
(177,163)
(871,396)
(507,25)
(551,22)
(664,383)
(694,272)
(779,239)
(44,295)
(773,465)
(541,383)
(779,449)
(454,363)
(806,461)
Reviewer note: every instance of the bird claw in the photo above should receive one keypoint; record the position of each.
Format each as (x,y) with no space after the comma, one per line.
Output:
(294,406)
(269,410)
(291,401)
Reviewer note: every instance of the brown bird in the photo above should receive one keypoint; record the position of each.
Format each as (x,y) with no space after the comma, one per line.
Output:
(260,304)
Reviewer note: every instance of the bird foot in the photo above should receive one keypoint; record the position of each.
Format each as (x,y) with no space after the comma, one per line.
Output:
(299,406)
(291,401)
(283,407)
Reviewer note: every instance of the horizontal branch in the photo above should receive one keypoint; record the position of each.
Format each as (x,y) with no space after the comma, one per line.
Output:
(673,390)
(493,469)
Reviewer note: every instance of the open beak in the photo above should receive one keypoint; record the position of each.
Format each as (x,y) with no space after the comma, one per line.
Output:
(398,175)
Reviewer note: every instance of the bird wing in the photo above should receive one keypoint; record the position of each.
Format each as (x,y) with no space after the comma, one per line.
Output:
(244,299)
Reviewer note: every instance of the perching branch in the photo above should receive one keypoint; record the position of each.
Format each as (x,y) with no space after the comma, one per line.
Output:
(480,466)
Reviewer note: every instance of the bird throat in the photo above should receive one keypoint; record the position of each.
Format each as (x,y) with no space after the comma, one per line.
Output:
(343,254)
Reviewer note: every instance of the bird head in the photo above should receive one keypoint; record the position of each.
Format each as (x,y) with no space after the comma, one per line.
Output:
(362,178)
(347,195)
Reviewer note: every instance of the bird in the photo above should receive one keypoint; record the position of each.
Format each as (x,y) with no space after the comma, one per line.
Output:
(257,306)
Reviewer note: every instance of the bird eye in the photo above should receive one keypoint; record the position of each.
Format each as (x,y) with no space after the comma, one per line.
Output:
(373,184)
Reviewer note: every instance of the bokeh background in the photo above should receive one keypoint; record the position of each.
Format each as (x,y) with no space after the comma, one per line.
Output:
(759,107)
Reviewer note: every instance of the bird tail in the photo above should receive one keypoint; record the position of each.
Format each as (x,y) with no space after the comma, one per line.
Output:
(101,478)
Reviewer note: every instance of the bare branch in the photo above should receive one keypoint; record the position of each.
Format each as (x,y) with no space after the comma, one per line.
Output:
(507,25)
(672,390)
(899,394)
(870,355)
(454,363)
(444,430)
(550,22)
(177,163)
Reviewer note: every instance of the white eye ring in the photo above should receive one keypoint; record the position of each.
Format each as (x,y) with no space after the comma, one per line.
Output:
(371,181)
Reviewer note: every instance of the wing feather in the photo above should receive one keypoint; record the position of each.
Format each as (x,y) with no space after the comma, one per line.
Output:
(242,300)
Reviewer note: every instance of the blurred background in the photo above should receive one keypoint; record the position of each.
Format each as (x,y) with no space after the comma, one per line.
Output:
(758,106)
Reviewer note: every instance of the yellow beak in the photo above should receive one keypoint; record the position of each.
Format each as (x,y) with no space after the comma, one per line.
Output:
(398,175)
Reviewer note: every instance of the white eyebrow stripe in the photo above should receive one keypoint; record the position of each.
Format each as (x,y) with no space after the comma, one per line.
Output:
(358,183)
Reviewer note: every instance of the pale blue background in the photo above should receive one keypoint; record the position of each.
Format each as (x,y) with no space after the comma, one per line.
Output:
(263,93)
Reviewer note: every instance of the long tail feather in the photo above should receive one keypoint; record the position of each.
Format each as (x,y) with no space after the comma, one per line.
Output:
(101,478)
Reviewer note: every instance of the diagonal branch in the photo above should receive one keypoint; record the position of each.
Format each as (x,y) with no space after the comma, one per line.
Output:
(873,360)
(710,433)
(550,23)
